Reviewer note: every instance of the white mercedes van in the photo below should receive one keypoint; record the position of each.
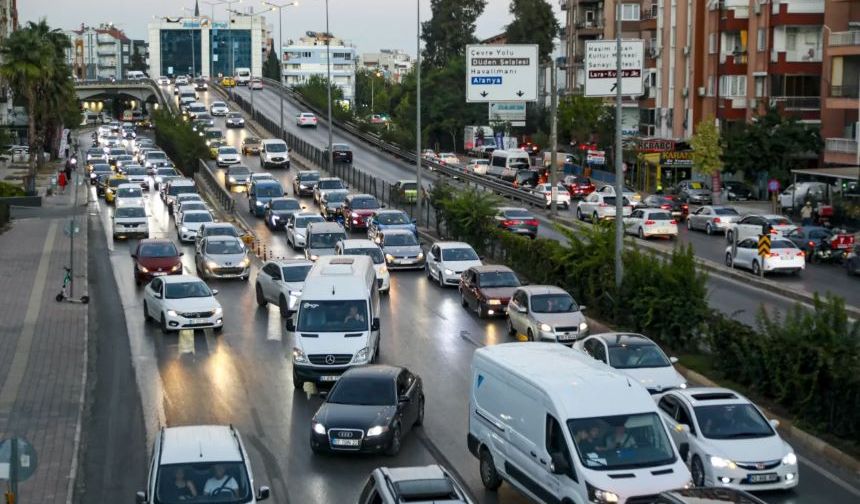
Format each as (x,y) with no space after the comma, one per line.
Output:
(337,323)
(561,427)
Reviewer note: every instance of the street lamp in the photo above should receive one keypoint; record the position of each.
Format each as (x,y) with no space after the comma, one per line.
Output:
(281,57)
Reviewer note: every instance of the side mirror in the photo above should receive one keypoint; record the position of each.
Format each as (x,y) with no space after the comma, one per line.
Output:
(558,465)
(374,325)
(774,423)
(684,451)
(291,325)
(140,497)
(214,292)
(673,360)
(263,493)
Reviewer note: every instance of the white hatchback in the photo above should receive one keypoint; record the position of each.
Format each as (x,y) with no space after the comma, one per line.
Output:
(179,302)
(648,222)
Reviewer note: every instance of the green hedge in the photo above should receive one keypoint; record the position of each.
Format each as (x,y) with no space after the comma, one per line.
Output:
(181,143)
(807,361)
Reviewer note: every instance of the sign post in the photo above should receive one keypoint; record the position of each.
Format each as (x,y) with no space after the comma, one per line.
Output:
(501,73)
(763,250)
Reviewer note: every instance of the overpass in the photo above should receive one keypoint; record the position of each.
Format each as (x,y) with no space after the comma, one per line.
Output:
(142,90)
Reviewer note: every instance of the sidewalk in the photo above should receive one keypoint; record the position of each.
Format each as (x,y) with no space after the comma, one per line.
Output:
(43,342)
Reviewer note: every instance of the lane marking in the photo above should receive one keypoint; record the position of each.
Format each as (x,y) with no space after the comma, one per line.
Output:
(9,393)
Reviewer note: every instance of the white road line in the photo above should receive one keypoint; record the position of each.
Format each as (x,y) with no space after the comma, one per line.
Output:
(829,475)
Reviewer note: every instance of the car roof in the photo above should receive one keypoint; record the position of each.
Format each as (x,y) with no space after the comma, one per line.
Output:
(532,290)
(199,443)
(489,268)
(708,396)
(622,339)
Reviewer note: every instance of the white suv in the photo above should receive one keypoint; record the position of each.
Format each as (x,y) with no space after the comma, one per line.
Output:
(274,152)
(206,461)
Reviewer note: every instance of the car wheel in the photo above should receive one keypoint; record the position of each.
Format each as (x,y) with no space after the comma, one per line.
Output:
(756,269)
(394,448)
(510,326)
(285,309)
(729,260)
(697,471)
(641,234)
(579,214)
(689,225)
(530,336)
(297,383)
(164,324)
(261,301)
(489,476)
(709,230)
(145,313)
(420,420)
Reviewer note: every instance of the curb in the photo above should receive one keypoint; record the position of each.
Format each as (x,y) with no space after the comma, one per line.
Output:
(788,430)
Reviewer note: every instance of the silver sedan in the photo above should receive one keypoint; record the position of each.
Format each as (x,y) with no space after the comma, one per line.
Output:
(712,219)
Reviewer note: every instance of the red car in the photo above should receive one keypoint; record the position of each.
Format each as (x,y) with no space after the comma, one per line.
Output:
(356,210)
(578,187)
(155,257)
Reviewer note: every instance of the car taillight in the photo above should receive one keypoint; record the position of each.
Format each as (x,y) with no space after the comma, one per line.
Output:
(717,220)
(532,222)
(650,222)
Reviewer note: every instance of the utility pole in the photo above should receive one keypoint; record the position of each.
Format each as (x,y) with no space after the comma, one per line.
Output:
(328,87)
(553,137)
(619,172)
(420,191)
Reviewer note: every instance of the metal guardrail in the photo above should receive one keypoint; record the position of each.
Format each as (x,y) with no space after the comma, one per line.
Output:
(499,187)
(204,177)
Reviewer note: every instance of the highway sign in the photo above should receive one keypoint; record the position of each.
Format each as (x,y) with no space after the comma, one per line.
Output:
(501,73)
(512,112)
(764,245)
(601,67)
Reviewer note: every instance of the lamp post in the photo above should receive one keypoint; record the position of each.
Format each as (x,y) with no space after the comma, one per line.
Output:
(281,57)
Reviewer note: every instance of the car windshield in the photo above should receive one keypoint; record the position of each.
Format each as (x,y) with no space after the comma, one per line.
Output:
(553,303)
(239,170)
(325,240)
(332,316)
(363,391)
(269,191)
(459,254)
(182,290)
(228,150)
(732,421)
(221,482)
(331,184)
(518,214)
(302,222)
(399,240)
(129,192)
(779,221)
(660,216)
(285,204)
(621,441)
(130,212)
(372,252)
(393,218)
(335,197)
(365,203)
(197,217)
(498,279)
(276,147)
(726,211)
(224,247)
(647,355)
(157,250)
(296,273)
(221,231)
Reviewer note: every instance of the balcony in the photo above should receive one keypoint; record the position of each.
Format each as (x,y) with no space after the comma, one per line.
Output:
(849,38)
(840,151)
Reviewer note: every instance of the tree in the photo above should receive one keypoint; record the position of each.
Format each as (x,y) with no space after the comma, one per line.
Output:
(271,68)
(708,152)
(534,23)
(450,28)
(771,145)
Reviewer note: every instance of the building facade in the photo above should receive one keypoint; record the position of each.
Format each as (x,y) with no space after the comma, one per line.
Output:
(201,46)
(308,57)
(393,63)
(98,52)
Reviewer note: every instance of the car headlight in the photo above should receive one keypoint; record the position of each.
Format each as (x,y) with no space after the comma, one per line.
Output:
(602,496)
(171,313)
(362,355)
(245,262)
(376,430)
(583,326)
(389,257)
(720,463)
(494,302)
(320,428)
(449,272)
(298,355)
(790,459)
(545,327)
(211,264)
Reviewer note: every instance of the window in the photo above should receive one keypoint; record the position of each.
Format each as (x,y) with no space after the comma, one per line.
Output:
(556,446)
(762,39)
(630,12)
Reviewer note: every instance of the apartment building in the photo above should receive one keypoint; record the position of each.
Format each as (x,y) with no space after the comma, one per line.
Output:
(98,52)
(309,57)
(840,86)
(393,63)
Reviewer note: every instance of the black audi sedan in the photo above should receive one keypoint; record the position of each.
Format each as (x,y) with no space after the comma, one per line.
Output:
(369,410)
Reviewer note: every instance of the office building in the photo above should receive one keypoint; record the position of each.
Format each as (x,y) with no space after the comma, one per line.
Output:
(199,45)
(393,63)
(308,57)
(98,52)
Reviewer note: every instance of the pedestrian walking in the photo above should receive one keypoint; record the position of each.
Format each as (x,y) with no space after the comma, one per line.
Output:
(806,214)
(62,181)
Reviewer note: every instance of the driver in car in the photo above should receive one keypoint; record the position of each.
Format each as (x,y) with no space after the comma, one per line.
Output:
(220,483)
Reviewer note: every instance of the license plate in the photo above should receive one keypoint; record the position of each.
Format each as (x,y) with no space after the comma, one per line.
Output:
(346,442)
(328,378)
(763,478)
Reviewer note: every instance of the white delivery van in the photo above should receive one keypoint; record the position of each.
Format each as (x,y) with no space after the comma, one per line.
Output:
(505,164)
(336,325)
(243,76)
(562,427)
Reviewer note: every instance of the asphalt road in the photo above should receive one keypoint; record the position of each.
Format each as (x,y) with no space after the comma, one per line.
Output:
(243,377)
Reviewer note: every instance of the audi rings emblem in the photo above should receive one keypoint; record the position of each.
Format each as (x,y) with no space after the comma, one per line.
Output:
(329,359)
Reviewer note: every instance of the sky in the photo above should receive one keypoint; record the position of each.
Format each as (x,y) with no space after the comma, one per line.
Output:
(370,25)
